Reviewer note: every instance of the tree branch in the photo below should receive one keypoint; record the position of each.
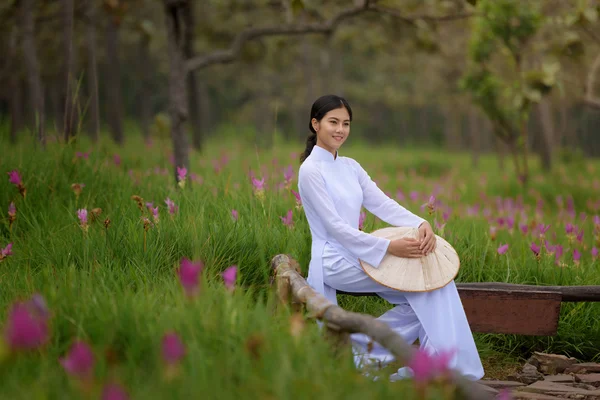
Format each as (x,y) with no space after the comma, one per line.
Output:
(413,18)
(590,100)
(229,55)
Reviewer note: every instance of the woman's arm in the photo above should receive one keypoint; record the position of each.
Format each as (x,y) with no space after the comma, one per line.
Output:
(318,204)
(382,206)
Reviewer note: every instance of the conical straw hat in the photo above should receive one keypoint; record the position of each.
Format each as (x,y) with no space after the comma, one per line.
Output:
(423,274)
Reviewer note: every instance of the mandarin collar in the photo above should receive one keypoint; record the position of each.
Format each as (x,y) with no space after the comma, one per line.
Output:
(319,153)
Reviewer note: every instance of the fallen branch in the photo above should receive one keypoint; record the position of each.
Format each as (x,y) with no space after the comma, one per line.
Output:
(343,321)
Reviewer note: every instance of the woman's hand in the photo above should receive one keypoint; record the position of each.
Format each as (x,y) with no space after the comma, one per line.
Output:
(405,248)
(427,238)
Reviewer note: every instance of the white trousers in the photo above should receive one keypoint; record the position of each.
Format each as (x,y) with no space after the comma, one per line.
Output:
(436,318)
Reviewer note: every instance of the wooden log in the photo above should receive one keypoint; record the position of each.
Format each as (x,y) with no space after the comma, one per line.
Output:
(349,322)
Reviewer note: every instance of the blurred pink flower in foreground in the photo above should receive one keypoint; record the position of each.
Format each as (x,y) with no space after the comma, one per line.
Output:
(594,253)
(234,215)
(298,199)
(5,252)
(82,214)
(229,277)
(173,349)
(535,248)
(112,391)
(79,362)
(503,249)
(181,176)
(576,256)
(288,175)
(426,366)
(117,159)
(258,185)
(188,276)
(27,326)
(288,219)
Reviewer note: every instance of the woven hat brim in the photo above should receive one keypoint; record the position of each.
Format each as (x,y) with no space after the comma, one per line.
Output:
(423,274)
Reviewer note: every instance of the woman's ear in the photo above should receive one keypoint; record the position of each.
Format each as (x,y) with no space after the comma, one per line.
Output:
(315,124)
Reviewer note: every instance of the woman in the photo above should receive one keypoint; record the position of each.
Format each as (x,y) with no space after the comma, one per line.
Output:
(333,190)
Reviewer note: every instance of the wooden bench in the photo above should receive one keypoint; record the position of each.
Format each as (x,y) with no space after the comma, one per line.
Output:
(516,309)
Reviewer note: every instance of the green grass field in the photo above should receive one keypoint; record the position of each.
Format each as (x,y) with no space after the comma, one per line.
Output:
(117,287)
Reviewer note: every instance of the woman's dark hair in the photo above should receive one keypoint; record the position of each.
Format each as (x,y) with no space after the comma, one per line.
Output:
(320,107)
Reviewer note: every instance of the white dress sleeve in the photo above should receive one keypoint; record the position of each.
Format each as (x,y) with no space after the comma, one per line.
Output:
(316,201)
(382,206)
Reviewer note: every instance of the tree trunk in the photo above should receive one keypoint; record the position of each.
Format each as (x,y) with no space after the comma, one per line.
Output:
(452,129)
(546,144)
(145,89)
(69,120)
(36,93)
(424,126)
(192,84)
(92,71)
(15,94)
(475,133)
(500,148)
(113,82)
(178,106)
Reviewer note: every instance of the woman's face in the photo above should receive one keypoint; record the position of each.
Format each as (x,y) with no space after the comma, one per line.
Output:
(333,129)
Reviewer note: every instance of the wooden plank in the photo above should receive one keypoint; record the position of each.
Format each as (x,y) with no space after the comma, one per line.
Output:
(512,312)
(569,293)
(521,312)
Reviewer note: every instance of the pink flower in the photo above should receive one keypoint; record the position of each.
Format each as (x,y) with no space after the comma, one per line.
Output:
(535,248)
(414,195)
(113,391)
(503,249)
(181,173)
(569,229)
(82,214)
(430,205)
(7,251)
(85,155)
(504,395)
(234,215)
(543,229)
(188,275)
(298,199)
(229,277)
(173,349)
(594,253)
(172,207)
(26,328)
(258,185)
(576,256)
(117,159)
(288,219)
(15,178)
(155,215)
(524,228)
(426,366)
(12,210)
(80,360)
(288,174)
(596,220)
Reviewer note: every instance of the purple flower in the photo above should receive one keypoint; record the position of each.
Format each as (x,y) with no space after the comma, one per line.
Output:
(258,185)
(288,219)
(569,229)
(155,215)
(171,205)
(14,178)
(503,249)
(113,391)
(12,210)
(535,248)
(188,275)
(288,174)
(234,215)
(80,360)
(594,252)
(85,155)
(596,220)
(426,366)
(181,173)
(543,229)
(297,197)
(173,349)
(117,159)
(524,228)
(7,251)
(229,277)
(82,214)
(576,256)
(25,328)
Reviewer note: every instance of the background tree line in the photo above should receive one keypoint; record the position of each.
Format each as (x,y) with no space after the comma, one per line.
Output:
(84,67)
